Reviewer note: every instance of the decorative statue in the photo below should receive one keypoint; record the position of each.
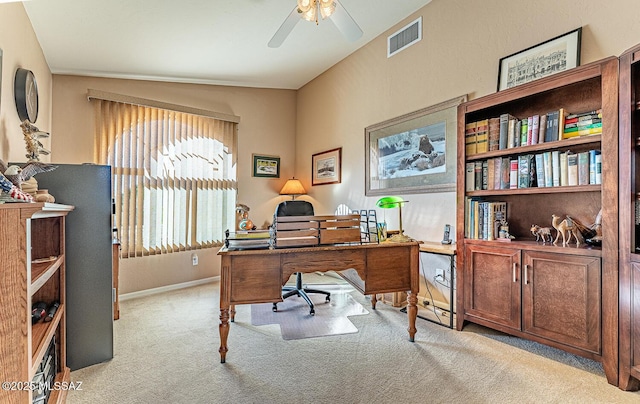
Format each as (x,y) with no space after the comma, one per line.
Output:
(503,230)
(34,146)
(567,228)
(242,218)
(541,233)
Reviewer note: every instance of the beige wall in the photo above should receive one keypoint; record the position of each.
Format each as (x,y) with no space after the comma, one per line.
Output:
(463,40)
(20,48)
(267,126)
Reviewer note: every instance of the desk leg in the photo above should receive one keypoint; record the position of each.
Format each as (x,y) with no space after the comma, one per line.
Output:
(232,313)
(223,328)
(412,312)
(374,300)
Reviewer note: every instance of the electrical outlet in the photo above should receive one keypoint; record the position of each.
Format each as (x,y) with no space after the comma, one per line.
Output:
(194,259)
(440,273)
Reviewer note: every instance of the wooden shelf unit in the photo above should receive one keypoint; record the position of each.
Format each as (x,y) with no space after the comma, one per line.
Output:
(565,297)
(629,236)
(32,243)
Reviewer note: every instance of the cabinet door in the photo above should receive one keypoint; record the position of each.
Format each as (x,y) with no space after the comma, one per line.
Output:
(635,323)
(492,279)
(561,298)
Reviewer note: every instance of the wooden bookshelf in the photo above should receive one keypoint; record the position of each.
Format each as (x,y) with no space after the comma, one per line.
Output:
(562,296)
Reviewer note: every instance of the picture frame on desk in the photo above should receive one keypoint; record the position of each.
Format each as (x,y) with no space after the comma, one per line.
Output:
(326,167)
(413,153)
(552,56)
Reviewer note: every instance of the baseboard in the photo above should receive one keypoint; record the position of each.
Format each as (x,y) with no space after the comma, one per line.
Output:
(161,289)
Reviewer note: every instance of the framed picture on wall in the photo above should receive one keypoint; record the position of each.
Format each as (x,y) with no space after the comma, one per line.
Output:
(266,166)
(327,167)
(413,153)
(553,56)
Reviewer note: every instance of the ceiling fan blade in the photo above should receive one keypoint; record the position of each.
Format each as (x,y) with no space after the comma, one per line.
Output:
(345,23)
(285,29)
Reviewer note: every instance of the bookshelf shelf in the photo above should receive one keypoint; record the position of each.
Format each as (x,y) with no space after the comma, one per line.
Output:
(564,144)
(535,190)
(512,285)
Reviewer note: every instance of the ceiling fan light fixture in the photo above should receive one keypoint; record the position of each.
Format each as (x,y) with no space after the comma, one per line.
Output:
(310,15)
(327,7)
(305,5)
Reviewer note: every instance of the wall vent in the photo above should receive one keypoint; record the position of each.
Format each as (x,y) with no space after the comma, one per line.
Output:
(405,37)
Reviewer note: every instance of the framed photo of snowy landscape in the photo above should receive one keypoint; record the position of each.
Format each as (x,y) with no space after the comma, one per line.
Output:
(413,153)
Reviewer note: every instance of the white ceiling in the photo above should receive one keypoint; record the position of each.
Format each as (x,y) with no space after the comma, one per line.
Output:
(200,41)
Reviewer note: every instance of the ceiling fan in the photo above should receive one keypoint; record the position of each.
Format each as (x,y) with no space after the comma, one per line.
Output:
(310,10)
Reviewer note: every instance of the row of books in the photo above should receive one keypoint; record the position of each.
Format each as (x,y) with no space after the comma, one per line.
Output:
(546,169)
(483,219)
(507,131)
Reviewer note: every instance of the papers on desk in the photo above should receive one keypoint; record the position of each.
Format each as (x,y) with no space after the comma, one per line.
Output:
(249,239)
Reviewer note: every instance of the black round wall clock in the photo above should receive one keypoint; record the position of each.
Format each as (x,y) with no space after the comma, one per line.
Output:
(25,91)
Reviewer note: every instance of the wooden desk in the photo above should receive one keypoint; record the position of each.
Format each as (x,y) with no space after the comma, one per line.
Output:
(257,276)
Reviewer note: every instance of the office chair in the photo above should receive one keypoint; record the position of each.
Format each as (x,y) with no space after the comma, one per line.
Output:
(297,208)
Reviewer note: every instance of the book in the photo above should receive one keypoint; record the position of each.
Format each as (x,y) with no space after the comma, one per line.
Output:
(551,134)
(506,173)
(477,175)
(494,134)
(535,129)
(523,170)
(572,169)
(511,141)
(593,166)
(582,132)
(485,175)
(561,114)
(524,131)
(589,114)
(543,128)
(491,179)
(539,159)
(470,179)
(583,168)
(504,131)
(548,169)
(470,138)
(555,167)
(598,168)
(513,174)
(482,136)
(529,130)
(563,170)
(576,123)
(517,133)
(497,173)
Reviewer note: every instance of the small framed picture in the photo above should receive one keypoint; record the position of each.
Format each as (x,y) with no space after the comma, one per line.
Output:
(327,167)
(266,166)
(553,56)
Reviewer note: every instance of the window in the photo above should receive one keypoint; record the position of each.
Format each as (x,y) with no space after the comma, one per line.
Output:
(173,174)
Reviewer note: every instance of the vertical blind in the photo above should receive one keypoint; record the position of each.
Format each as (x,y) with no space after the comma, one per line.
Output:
(174,176)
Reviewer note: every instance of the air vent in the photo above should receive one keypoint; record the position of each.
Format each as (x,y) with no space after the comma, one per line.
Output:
(404,38)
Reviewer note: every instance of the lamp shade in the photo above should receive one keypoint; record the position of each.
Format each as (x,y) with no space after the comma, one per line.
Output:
(389,202)
(293,187)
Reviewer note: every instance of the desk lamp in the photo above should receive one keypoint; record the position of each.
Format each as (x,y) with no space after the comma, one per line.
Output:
(294,188)
(389,202)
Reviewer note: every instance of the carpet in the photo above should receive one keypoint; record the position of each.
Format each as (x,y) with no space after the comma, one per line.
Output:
(296,323)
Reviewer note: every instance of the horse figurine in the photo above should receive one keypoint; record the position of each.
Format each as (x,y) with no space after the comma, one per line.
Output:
(567,229)
(541,233)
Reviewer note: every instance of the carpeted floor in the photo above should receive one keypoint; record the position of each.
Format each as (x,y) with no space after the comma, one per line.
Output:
(166,351)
